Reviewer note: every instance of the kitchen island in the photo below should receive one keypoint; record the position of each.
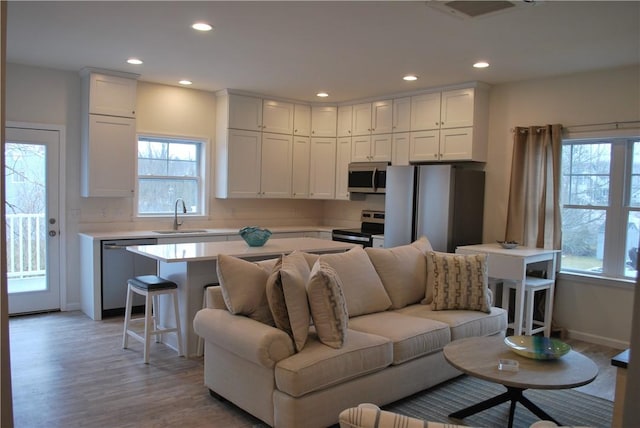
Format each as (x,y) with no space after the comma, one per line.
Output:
(193,265)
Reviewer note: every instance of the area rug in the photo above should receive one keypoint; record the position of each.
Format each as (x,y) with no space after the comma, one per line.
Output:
(567,406)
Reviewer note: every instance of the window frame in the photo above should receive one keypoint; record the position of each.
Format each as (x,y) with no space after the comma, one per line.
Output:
(204,174)
(617,210)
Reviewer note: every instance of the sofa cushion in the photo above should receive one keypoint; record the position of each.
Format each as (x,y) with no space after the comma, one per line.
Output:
(361,284)
(244,285)
(459,281)
(328,307)
(463,323)
(412,337)
(319,366)
(403,271)
(287,296)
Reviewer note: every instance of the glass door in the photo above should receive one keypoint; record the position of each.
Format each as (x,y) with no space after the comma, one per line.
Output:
(31,206)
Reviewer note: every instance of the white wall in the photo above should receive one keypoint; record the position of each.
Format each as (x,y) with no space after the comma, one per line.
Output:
(591,311)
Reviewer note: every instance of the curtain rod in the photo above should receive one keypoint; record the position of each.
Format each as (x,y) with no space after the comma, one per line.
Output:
(606,125)
(614,125)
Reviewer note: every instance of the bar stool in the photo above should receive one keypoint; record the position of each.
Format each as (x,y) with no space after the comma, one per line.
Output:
(200,348)
(152,287)
(531,286)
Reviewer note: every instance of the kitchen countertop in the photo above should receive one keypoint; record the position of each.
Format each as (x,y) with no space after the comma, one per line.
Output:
(136,234)
(198,251)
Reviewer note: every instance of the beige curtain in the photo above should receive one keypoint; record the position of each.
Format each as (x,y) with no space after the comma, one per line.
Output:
(533,213)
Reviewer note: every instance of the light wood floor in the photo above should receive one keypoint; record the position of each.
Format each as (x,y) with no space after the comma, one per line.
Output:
(70,371)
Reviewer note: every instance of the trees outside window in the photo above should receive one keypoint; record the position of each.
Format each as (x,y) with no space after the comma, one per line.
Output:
(601,206)
(168,169)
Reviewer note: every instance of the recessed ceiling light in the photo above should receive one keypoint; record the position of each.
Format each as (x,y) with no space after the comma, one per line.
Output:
(322,94)
(134,61)
(185,82)
(410,77)
(202,26)
(481,64)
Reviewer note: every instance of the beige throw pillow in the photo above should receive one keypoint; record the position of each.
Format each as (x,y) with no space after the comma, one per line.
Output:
(403,271)
(459,281)
(361,285)
(328,306)
(287,297)
(243,286)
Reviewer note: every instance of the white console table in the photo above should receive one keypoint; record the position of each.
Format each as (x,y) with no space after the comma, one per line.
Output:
(511,265)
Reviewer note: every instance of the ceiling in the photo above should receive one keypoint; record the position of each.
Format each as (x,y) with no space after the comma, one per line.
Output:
(352,50)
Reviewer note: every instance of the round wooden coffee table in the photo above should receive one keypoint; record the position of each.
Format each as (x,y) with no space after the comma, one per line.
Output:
(478,357)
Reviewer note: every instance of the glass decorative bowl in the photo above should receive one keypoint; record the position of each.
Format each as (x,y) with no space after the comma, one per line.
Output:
(508,245)
(255,236)
(537,347)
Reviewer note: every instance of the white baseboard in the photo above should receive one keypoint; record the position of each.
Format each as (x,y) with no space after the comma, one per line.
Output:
(598,340)
(71,307)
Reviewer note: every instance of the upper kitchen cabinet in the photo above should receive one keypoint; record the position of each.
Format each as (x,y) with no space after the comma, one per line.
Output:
(300,173)
(450,125)
(345,117)
(276,165)
(343,157)
(322,170)
(323,121)
(302,120)
(112,95)
(243,112)
(373,118)
(277,117)
(401,114)
(371,148)
(108,134)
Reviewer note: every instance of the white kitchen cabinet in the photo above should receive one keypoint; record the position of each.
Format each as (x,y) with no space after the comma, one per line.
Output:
(425,112)
(424,146)
(112,95)
(361,119)
(323,121)
(343,157)
(108,134)
(450,125)
(300,173)
(302,120)
(277,117)
(400,149)
(371,148)
(108,156)
(378,242)
(402,114)
(239,174)
(243,112)
(322,170)
(454,144)
(276,165)
(382,117)
(345,118)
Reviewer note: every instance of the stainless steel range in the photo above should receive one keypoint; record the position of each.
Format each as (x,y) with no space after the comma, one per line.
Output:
(372,223)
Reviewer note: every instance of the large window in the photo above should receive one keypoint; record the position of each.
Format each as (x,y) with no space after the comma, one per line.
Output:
(168,169)
(601,206)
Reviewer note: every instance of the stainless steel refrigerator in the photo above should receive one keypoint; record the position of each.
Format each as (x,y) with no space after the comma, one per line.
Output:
(443,202)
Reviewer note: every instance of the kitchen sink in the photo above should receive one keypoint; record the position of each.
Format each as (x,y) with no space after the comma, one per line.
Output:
(171,232)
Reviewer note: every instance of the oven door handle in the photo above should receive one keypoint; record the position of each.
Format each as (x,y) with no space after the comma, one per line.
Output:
(351,237)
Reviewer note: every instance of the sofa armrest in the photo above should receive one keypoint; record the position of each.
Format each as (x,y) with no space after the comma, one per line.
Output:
(214,299)
(243,336)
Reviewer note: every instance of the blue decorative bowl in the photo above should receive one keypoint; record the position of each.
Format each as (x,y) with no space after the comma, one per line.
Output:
(255,236)
(537,347)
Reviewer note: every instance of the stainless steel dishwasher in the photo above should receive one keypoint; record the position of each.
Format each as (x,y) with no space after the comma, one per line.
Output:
(118,265)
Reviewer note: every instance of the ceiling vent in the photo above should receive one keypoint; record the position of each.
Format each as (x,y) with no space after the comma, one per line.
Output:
(476,9)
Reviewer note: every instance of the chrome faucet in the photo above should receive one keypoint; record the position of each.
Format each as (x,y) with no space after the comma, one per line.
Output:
(176,223)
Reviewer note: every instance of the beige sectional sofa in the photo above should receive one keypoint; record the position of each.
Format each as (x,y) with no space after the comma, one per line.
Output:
(339,329)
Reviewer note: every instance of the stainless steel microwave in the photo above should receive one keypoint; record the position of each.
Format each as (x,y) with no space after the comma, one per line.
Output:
(367,177)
